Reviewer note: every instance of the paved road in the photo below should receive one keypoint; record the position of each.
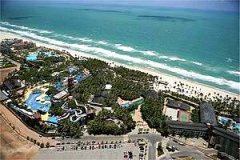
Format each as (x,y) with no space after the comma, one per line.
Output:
(184,151)
(96,154)
(152,138)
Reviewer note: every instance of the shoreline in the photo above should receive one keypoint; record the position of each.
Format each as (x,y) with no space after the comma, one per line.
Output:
(190,84)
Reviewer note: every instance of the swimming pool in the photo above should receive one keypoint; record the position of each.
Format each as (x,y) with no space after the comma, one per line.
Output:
(52,119)
(34,104)
(126,105)
(32,57)
(79,77)
(59,86)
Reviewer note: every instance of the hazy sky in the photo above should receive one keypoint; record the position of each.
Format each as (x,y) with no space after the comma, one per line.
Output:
(224,5)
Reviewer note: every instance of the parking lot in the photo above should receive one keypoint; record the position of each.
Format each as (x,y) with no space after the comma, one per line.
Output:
(91,151)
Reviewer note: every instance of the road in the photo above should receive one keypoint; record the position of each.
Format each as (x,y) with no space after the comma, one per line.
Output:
(183,151)
(152,139)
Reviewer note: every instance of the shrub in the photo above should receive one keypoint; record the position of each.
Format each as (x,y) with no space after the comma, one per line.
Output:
(48,144)
(42,145)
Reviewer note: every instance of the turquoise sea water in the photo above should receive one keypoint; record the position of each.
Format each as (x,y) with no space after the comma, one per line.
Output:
(191,44)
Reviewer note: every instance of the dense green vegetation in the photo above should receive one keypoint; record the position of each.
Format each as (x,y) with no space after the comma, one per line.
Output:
(68,128)
(94,65)
(91,85)
(127,84)
(117,122)
(221,104)
(152,113)
(195,116)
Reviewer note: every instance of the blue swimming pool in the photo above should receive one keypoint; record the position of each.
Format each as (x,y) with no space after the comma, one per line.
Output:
(126,105)
(35,105)
(72,69)
(32,57)
(53,119)
(79,77)
(59,86)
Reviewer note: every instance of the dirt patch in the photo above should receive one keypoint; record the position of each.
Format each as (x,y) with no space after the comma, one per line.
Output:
(12,145)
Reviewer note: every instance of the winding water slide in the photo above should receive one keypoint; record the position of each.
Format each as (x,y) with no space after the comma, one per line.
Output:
(78,113)
(64,116)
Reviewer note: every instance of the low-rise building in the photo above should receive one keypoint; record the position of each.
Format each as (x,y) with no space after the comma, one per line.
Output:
(226,142)
(207,114)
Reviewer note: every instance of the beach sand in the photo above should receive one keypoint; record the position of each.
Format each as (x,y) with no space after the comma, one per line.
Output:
(190,88)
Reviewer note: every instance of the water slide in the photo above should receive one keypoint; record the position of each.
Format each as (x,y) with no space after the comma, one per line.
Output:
(78,113)
(75,118)
(64,116)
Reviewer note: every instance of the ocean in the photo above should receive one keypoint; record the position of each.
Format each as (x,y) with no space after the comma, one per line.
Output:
(191,44)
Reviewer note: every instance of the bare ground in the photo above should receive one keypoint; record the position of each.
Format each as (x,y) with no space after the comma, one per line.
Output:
(12,145)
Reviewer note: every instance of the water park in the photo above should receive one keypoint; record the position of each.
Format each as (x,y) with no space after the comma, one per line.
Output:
(230,123)
(34,56)
(74,114)
(36,100)
(126,103)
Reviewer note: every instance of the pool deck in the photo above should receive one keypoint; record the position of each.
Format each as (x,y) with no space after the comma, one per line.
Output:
(40,87)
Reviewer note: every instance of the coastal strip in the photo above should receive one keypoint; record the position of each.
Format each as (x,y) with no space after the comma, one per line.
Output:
(193,88)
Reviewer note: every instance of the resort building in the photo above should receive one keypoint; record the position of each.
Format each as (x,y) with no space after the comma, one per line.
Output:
(207,114)
(177,110)
(20,44)
(13,85)
(99,98)
(187,129)
(61,95)
(226,142)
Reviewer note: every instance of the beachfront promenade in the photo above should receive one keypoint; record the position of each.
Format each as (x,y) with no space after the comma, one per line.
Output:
(22,129)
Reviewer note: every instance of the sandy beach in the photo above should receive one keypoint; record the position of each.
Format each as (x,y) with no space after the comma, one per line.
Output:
(190,88)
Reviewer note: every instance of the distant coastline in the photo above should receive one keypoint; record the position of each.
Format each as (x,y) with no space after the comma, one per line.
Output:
(205,89)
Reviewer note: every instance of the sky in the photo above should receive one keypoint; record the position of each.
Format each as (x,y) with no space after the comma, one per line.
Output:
(222,5)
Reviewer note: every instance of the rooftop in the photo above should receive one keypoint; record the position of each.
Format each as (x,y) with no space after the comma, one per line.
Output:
(11,84)
(177,104)
(207,114)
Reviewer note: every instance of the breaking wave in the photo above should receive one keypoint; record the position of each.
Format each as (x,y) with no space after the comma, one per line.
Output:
(129,59)
(26,28)
(235,73)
